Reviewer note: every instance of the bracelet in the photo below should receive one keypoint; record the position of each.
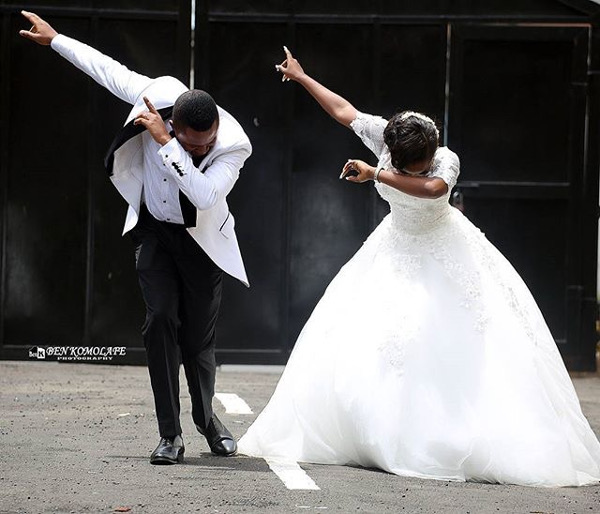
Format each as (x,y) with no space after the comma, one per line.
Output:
(377,172)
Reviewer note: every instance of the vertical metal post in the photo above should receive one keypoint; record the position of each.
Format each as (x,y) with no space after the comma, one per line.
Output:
(376,99)
(590,193)
(185,39)
(202,46)
(92,142)
(4,124)
(447,82)
(286,343)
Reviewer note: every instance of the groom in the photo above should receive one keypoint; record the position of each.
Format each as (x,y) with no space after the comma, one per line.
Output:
(174,162)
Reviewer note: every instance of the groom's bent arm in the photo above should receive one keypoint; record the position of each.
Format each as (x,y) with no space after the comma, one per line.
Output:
(114,76)
(205,190)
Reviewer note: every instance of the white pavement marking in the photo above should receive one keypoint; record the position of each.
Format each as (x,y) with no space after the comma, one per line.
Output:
(291,474)
(233,403)
(251,368)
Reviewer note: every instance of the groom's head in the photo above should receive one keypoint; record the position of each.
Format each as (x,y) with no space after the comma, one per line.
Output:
(195,121)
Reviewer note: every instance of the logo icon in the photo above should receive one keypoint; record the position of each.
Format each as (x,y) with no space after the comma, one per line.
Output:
(37,352)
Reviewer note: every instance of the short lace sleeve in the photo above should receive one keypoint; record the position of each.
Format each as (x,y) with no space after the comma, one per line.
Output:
(370,129)
(446,166)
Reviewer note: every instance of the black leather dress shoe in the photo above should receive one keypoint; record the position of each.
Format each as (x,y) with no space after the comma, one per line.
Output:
(169,451)
(219,439)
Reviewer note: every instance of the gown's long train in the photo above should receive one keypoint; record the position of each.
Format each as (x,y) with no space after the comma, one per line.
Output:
(427,356)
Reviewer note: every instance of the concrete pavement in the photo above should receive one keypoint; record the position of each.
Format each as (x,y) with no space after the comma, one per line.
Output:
(76,438)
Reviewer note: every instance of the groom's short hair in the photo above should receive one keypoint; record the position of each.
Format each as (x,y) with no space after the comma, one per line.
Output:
(195,109)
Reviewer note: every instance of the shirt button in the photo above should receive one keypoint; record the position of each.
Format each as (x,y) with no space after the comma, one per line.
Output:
(164,179)
(164,201)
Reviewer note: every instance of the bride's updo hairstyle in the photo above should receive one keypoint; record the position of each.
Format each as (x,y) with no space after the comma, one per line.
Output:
(410,137)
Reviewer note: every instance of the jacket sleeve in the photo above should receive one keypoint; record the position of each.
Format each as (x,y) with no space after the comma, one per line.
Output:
(206,189)
(117,78)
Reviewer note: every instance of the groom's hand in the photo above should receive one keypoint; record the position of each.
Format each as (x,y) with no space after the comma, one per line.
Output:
(154,123)
(40,32)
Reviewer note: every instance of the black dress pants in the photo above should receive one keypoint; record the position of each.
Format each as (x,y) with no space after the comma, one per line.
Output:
(181,287)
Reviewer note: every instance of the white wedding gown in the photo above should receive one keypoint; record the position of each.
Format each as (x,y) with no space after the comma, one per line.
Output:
(428,357)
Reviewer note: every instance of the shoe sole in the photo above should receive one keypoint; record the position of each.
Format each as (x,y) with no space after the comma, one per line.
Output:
(224,454)
(164,461)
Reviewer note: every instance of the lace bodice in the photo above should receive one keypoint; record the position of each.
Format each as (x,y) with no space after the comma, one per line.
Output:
(410,213)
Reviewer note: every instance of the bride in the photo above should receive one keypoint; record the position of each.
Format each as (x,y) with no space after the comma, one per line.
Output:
(427,355)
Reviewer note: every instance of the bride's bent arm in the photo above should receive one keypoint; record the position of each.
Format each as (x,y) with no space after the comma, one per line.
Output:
(337,107)
(422,187)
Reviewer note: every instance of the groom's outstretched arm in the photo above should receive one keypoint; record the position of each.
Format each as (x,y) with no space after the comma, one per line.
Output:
(118,79)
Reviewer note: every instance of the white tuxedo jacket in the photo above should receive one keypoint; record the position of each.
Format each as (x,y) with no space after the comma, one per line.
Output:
(206,186)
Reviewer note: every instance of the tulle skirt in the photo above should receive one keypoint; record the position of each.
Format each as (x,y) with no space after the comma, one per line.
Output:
(428,357)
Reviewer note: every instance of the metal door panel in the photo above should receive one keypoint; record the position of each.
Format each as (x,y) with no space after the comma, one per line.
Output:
(244,82)
(68,277)
(410,63)
(329,218)
(117,306)
(517,121)
(46,198)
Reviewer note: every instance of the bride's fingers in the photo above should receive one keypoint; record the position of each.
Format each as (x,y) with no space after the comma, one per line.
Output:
(346,169)
(282,69)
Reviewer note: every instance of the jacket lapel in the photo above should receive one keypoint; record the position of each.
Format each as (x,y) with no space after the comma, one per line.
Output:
(125,134)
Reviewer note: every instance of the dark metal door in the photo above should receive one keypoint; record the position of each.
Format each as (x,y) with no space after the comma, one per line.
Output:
(297,223)
(518,114)
(68,276)
(512,99)
(509,82)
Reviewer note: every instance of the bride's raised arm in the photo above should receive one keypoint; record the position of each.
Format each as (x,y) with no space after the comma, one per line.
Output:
(337,107)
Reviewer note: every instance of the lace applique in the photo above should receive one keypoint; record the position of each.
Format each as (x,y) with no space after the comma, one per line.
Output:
(417,227)
(410,236)
(446,165)
(521,302)
(393,348)
(370,130)
(392,339)
(468,281)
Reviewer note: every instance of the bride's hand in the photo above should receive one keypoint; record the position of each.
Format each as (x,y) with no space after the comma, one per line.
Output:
(364,171)
(290,68)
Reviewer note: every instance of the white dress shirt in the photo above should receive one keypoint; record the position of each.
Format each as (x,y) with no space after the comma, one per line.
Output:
(161,190)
